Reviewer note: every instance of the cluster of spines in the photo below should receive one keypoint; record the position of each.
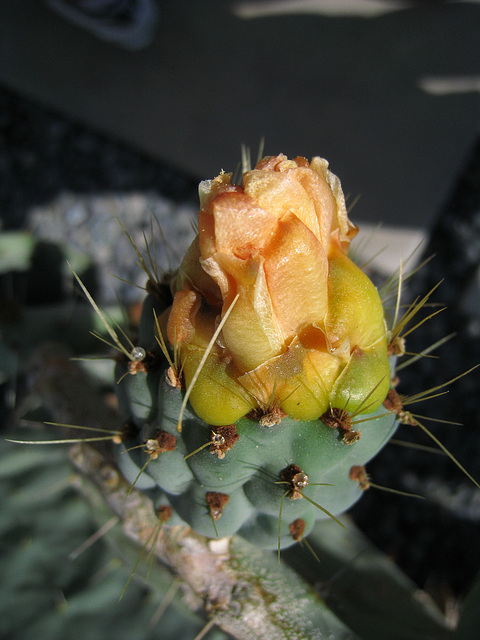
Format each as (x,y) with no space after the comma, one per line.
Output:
(223,439)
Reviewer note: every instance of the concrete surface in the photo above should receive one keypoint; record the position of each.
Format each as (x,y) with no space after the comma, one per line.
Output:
(351,89)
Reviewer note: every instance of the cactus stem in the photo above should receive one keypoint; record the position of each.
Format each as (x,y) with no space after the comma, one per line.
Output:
(203,360)
(297,480)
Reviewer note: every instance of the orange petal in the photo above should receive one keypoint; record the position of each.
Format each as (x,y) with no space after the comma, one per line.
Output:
(191,275)
(181,321)
(296,269)
(251,334)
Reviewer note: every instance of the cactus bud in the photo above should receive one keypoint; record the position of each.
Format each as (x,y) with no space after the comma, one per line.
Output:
(307,320)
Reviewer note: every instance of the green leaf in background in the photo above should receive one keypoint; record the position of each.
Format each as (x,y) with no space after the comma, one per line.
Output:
(44,593)
(16,248)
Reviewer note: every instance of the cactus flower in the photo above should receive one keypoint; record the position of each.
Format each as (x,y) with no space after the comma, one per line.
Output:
(305,329)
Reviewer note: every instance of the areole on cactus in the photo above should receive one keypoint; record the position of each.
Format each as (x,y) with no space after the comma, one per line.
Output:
(278,341)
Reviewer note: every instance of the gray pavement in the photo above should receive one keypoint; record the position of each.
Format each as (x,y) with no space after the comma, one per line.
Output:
(362,92)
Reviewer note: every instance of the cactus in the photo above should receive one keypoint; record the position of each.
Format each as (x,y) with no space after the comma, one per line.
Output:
(260,384)
(256,363)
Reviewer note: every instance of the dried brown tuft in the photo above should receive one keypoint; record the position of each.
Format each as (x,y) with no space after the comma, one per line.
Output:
(296,528)
(223,439)
(296,480)
(216,503)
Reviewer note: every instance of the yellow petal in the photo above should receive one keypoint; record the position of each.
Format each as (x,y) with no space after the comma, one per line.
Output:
(298,381)
(365,381)
(355,316)
(310,391)
(216,397)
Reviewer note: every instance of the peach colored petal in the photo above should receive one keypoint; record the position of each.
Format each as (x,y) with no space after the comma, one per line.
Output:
(181,322)
(234,223)
(296,269)
(282,193)
(209,189)
(340,224)
(251,334)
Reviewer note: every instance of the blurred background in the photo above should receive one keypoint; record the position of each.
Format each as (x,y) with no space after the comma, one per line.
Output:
(387,90)
(123,110)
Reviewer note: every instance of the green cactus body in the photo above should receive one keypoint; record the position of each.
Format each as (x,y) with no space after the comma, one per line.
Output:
(281,347)
(221,490)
